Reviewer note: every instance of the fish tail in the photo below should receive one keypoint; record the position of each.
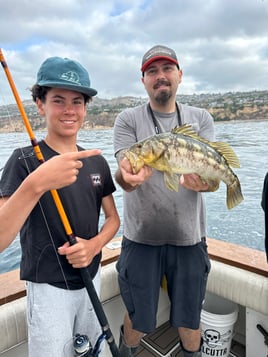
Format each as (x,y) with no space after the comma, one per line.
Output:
(234,194)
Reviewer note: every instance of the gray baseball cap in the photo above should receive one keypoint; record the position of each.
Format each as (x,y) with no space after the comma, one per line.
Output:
(156,53)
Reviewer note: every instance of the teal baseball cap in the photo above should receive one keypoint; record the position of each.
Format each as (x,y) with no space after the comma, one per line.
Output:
(57,72)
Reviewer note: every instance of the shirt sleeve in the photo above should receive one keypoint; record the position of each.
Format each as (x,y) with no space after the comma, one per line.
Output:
(264,200)
(124,131)
(13,174)
(264,204)
(207,130)
(109,186)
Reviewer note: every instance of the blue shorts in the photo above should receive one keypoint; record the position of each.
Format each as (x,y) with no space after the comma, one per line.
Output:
(141,269)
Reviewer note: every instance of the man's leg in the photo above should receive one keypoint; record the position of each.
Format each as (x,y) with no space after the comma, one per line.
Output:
(191,342)
(186,283)
(129,339)
(136,266)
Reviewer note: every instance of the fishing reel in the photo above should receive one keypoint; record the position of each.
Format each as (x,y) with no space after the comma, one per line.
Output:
(83,347)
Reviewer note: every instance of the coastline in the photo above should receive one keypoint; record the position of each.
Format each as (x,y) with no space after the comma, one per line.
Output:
(97,127)
(101,114)
(106,127)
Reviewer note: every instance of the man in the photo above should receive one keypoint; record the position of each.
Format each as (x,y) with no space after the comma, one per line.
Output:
(58,305)
(164,231)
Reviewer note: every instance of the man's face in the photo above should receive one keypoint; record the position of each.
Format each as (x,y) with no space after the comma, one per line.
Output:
(161,80)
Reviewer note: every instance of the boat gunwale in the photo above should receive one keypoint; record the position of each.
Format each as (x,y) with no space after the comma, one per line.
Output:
(245,258)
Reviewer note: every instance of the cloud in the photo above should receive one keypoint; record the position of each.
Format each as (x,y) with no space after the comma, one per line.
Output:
(221,45)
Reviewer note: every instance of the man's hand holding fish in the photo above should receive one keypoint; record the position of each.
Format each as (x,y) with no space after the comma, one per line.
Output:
(128,179)
(193,182)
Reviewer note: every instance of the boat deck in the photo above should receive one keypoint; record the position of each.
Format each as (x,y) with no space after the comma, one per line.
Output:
(164,342)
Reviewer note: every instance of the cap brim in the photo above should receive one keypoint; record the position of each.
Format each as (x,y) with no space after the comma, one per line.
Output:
(156,58)
(91,92)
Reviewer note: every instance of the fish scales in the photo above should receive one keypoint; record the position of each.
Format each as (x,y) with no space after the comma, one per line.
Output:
(186,156)
(182,151)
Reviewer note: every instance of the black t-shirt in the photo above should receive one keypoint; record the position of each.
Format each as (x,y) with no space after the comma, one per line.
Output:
(43,231)
(264,204)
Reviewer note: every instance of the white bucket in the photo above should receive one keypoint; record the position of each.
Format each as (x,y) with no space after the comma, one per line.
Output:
(218,317)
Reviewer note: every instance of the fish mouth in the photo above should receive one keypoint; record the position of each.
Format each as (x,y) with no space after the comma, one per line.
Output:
(136,162)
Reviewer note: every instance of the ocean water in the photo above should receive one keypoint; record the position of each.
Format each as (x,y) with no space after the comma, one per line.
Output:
(242,225)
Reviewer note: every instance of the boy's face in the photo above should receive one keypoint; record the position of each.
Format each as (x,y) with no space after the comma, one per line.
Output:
(64,111)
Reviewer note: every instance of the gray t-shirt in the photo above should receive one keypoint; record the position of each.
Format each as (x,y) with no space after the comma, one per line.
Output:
(153,214)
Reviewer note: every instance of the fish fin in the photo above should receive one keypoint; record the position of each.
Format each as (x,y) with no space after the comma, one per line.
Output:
(234,194)
(160,164)
(172,181)
(227,152)
(222,148)
(185,129)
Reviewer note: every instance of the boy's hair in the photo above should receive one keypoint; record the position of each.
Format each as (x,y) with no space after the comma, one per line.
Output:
(40,92)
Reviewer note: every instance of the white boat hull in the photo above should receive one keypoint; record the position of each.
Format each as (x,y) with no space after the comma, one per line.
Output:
(247,289)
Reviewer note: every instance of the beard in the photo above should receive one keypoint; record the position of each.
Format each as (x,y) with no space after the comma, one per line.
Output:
(163,97)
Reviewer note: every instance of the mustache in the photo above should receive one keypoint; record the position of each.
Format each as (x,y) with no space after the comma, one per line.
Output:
(160,83)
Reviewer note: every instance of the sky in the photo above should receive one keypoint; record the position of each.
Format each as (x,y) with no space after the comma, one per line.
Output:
(221,45)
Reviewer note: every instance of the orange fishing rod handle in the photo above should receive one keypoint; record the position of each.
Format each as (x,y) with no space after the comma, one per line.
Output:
(62,213)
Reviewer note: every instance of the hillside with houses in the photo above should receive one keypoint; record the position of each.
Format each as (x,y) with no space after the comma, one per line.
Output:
(101,113)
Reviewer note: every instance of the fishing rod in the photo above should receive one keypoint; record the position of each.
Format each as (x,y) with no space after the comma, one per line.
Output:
(64,219)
